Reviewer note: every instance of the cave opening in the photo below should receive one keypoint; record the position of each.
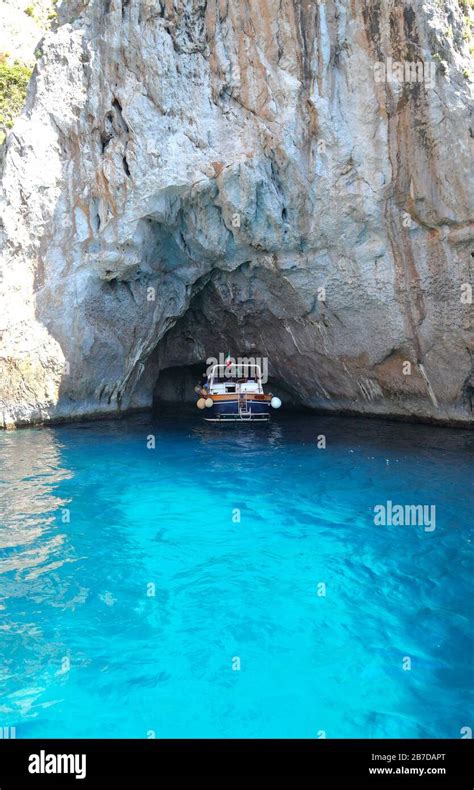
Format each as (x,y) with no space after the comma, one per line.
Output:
(223,290)
(236,312)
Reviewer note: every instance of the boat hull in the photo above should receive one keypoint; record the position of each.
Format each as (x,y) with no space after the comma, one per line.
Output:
(235,410)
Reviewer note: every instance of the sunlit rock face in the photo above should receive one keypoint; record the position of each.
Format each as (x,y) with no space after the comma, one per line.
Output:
(190,177)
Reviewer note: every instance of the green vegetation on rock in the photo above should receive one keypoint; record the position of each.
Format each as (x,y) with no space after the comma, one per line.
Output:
(13,85)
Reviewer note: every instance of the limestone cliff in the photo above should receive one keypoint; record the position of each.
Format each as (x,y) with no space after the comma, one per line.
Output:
(277,177)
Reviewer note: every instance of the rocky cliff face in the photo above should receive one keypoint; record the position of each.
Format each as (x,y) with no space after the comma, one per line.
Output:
(278,178)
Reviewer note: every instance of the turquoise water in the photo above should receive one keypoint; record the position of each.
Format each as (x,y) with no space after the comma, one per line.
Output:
(91,519)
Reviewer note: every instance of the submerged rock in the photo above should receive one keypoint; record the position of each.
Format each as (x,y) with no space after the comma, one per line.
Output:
(285,179)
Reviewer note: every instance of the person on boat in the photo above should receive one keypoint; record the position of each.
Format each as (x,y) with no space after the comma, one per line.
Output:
(203,386)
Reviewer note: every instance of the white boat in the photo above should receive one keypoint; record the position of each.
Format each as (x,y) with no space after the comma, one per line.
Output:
(229,397)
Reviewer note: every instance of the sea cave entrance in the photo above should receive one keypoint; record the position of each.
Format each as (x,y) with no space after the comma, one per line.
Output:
(249,313)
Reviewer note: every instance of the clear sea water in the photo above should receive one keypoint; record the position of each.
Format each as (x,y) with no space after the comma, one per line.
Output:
(91,519)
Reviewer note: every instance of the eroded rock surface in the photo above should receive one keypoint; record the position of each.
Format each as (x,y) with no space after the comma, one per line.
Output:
(195,176)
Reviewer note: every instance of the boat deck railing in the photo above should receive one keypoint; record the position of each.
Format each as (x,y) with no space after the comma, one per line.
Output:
(230,378)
